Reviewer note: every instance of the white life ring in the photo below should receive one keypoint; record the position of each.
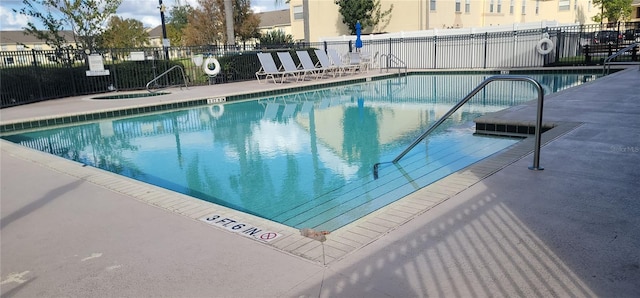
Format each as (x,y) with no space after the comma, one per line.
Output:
(208,71)
(216,114)
(548,49)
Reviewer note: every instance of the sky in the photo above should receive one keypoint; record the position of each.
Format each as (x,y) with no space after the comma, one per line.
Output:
(145,11)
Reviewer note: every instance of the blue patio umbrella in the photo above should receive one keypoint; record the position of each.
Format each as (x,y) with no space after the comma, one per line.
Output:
(358,32)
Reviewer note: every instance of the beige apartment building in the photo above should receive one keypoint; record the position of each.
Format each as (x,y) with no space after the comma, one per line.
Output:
(635,14)
(19,41)
(322,19)
(278,20)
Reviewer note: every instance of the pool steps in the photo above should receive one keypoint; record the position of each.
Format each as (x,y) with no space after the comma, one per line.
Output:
(335,209)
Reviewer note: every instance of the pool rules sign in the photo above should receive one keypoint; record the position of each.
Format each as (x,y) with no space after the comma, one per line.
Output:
(96,66)
(241,228)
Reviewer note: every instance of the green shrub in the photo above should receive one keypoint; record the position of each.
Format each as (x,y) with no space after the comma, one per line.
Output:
(134,75)
(275,39)
(238,67)
(25,84)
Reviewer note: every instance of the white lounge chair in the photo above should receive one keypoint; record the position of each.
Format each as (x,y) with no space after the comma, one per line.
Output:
(337,61)
(269,69)
(367,60)
(360,60)
(307,64)
(289,66)
(325,63)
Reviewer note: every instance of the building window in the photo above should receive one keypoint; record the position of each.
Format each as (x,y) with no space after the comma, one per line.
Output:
(524,6)
(537,7)
(512,5)
(491,6)
(458,8)
(4,48)
(467,6)
(37,47)
(20,47)
(564,5)
(432,5)
(297,13)
(499,6)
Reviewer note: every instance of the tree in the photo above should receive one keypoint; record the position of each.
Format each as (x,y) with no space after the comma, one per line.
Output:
(367,12)
(613,10)
(178,20)
(245,21)
(228,14)
(204,26)
(207,24)
(124,33)
(86,18)
(52,35)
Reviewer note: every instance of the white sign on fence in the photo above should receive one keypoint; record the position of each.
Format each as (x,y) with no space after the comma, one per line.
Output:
(137,56)
(96,66)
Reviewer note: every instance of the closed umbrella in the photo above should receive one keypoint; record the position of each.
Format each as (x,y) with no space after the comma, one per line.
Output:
(358,32)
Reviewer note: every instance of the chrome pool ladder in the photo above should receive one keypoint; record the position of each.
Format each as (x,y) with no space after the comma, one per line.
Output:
(184,79)
(538,129)
(392,60)
(606,66)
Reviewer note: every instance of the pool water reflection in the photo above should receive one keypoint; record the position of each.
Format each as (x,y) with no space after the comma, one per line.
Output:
(302,159)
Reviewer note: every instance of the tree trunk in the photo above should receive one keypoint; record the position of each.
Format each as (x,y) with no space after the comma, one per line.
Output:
(228,14)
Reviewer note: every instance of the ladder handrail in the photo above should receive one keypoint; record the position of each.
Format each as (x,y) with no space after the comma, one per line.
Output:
(606,66)
(538,129)
(184,78)
(391,57)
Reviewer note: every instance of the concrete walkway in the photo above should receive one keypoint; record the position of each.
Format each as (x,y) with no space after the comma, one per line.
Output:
(572,229)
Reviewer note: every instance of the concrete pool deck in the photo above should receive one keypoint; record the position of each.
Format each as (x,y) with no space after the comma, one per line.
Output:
(570,230)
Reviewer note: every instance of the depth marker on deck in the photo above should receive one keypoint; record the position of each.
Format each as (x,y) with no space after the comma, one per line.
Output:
(241,228)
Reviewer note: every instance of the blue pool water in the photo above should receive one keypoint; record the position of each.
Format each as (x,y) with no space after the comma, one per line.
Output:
(304,159)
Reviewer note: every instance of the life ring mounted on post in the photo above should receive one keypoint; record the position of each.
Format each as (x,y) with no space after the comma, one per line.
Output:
(545,45)
(211,72)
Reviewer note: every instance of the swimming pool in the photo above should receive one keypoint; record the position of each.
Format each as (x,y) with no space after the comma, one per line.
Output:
(302,159)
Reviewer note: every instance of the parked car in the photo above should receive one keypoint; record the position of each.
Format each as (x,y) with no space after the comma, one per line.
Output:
(632,34)
(607,37)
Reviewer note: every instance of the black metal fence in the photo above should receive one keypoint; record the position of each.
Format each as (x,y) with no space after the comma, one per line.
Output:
(30,76)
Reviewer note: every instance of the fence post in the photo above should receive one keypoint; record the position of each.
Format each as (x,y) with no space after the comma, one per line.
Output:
(69,65)
(587,57)
(39,72)
(435,52)
(115,72)
(515,47)
(390,52)
(486,40)
(559,45)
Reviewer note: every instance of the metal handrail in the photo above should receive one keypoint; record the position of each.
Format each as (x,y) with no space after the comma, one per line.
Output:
(607,62)
(184,79)
(392,58)
(538,129)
